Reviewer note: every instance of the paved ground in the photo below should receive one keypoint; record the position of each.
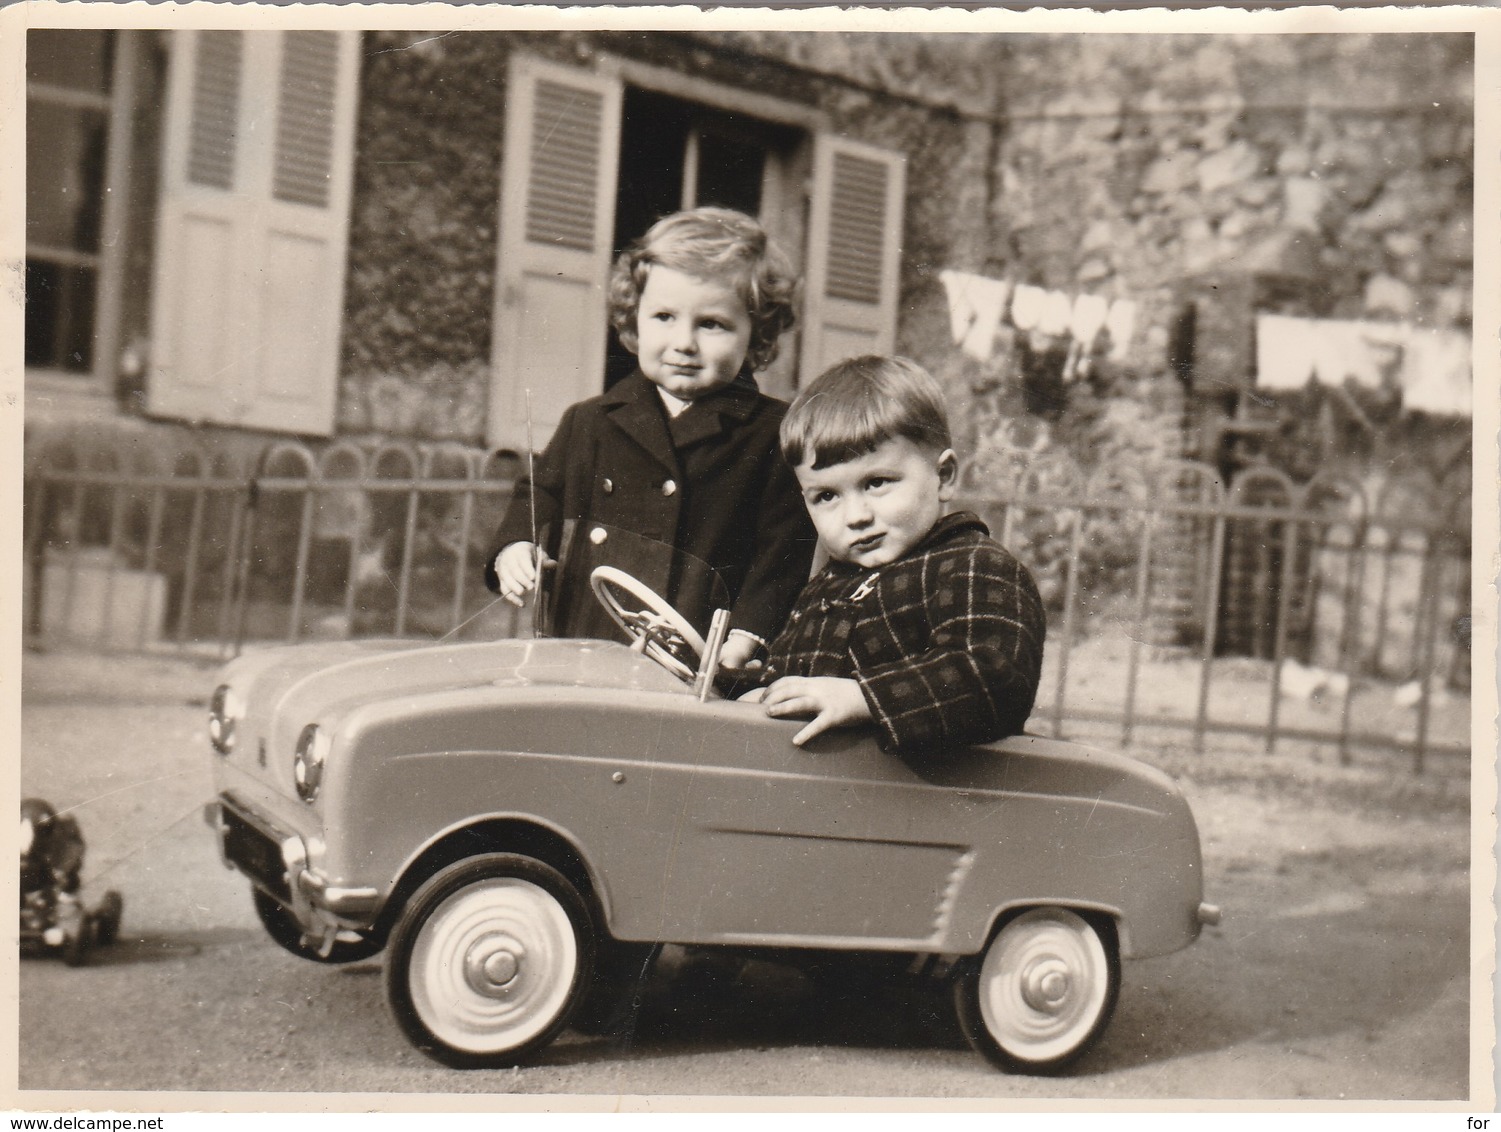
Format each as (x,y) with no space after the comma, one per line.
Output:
(1341,970)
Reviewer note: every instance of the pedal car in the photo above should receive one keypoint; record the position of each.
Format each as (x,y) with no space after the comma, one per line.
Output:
(513,820)
(53,917)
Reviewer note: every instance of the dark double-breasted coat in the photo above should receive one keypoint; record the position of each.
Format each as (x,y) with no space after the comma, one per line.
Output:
(621,485)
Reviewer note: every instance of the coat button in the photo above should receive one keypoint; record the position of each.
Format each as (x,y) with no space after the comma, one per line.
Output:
(669,487)
(608,485)
(598,535)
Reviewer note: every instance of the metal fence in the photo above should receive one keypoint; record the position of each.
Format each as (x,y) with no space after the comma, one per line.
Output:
(1262,611)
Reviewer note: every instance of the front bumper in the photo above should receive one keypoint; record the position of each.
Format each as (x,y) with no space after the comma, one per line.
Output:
(276,861)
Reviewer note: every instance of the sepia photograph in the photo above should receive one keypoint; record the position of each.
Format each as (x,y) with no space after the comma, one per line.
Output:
(730,555)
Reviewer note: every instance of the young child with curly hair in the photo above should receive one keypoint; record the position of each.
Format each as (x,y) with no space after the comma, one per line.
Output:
(683,454)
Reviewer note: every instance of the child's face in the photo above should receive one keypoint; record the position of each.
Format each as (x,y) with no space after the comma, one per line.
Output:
(692,333)
(873,509)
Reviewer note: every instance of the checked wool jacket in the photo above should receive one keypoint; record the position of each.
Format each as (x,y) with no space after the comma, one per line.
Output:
(945,643)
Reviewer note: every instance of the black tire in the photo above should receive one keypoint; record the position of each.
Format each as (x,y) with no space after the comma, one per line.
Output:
(283,928)
(107,918)
(608,1008)
(1042,991)
(489,960)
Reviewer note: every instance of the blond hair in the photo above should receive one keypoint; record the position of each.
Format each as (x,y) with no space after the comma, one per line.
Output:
(714,243)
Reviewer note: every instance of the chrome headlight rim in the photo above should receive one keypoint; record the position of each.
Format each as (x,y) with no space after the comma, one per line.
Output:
(313,746)
(226,709)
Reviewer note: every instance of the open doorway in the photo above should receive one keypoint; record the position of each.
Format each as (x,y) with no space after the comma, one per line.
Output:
(677,154)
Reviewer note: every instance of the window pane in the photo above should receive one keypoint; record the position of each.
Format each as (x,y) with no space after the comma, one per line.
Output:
(64,175)
(74,58)
(59,316)
(729,172)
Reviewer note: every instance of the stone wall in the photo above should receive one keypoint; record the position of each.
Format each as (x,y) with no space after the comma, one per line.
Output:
(1132,162)
(1132,165)
(1106,165)
(419,298)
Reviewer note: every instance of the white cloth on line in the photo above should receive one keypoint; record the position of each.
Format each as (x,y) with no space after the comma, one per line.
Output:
(1120,324)
(976,305)
(1432,366)
(1437,373)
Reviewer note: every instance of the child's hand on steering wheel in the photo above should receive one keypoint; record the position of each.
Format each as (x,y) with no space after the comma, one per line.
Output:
(739,650)
(516,568)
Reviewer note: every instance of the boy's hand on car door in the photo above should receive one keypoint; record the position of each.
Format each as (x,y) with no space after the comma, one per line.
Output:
(832,701)
(516,568)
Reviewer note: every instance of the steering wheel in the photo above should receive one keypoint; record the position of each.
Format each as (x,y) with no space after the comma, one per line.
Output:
(655,628)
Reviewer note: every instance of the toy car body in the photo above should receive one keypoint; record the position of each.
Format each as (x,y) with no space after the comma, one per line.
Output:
(502,817)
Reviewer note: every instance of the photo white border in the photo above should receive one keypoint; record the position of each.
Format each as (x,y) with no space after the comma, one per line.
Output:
(1485,22)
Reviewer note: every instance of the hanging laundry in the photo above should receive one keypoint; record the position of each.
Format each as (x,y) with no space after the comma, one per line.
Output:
(1026,306)
(1088,319)
(1345,352)
(976,306)
(956,285)
(989,298)
(1437,373)
(1433,367)
(1330,343)
(1120,324)
(1284,352)
(1057,313)
(1085,323)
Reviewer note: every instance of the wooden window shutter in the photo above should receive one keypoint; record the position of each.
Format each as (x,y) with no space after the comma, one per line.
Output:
(215,109)
(254,213)
(854,253)
(305,118)
(557,215)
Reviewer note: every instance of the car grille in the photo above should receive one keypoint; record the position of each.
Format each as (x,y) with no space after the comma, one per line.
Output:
(254,851)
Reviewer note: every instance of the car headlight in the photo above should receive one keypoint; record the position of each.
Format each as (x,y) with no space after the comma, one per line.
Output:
(226,710)
(307,764)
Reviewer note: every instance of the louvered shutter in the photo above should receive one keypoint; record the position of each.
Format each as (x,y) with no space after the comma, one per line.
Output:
(557,216)
(254,217)
(854,253)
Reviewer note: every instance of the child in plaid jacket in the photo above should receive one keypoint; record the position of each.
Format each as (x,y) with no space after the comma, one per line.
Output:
(920,622)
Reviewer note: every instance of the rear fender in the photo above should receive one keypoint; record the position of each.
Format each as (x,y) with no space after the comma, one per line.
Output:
(1102,916)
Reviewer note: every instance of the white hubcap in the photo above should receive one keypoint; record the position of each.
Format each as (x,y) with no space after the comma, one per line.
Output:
(1043,984)
(493,965)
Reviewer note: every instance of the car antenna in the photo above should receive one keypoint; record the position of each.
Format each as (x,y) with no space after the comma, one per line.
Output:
(531,506)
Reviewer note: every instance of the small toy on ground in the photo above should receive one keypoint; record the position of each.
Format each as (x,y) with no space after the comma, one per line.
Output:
(53,917)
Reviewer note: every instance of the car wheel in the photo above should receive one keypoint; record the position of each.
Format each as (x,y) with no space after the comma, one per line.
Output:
(488,960)
(1042,990)
(282,927)
(107,918)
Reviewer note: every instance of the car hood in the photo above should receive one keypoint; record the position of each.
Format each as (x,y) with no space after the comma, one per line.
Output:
(345,673)
(283,689)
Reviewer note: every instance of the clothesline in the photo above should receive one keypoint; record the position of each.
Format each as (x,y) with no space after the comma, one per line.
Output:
(1431,367)
(979,305)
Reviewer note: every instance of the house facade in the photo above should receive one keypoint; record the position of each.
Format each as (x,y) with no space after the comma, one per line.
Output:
(252,234)
(337,233)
